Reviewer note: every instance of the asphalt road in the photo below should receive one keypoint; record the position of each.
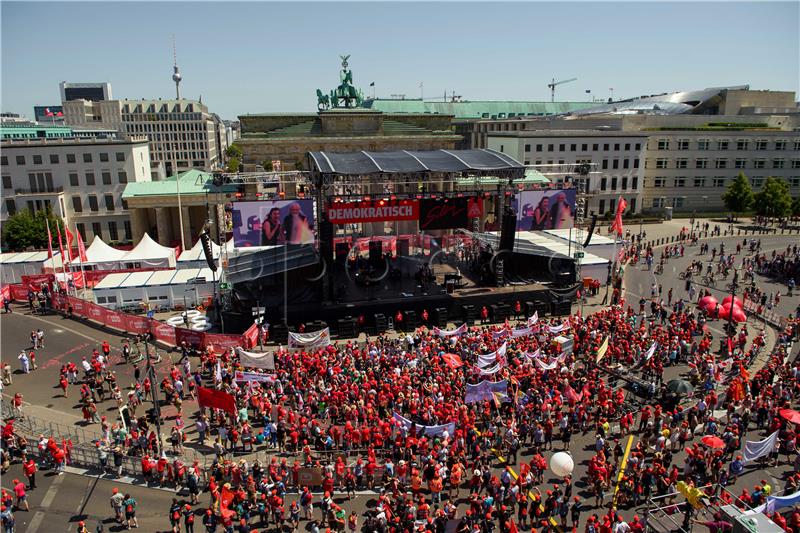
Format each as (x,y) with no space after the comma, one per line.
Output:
(60,501)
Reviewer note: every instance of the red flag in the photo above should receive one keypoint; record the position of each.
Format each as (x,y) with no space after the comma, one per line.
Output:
(616,226)
(216,399)
(730,345)
(64,259)
(69,237)
(49,241)
(225,499)
(452,360)
(81,248)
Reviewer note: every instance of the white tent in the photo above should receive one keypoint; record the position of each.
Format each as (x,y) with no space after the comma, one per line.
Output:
(148,253)
(160,288)
(195,258)
(100,256)
(14,265)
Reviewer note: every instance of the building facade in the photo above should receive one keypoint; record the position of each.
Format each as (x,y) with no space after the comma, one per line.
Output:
(80,179)
(616,159)
(183,134)
(94,92)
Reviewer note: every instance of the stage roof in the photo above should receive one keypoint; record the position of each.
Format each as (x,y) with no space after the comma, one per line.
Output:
(407,161)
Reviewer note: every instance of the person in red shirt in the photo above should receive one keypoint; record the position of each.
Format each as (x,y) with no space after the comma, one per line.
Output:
(29,467)
(19,492)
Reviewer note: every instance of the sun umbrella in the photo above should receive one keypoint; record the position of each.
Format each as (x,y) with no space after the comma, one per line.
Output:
(707,302)
(680,386)
(736,301)
(738,314)
(725,311)
(791,415)
(712,441)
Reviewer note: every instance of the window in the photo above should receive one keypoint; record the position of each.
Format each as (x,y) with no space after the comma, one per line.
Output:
(635,183)
(90,178)
(539,147)
(127,225)
(663,144)
(53,159)
(723,145)
(759,163)
(73,179)
(37,159)
(562,147)
(624,183)
(699,182)
(677,202)
(603,184)
(612,204)
(701,163)
(584,147)
(120,157)
(4,160)
(601,207)
(757,181)
(659,183)
(638,146)
(777,163)
(112,231)
(661,162)
(573,147)
(794,181)
(703,144)
(82,230)
(6,182)
(11,206)
(124,203)
(20,159)
(106,178)
(761,144)
(740,162)
(720,163)
(93,202)
(682,163)
(680,182)
(76,204)
(780,145)
(795,163)
(636,163)
(87,158)
(605,164)
(797,145)
(683,144)
(96,229)
(614,183)
(719,182)
(70,158)
(616,149)
(742,144)
(615,163)
(595,147)
(550,147)
(104,157)
(626,163)
(109,202)
(658,202)
(627,146)
(527,147)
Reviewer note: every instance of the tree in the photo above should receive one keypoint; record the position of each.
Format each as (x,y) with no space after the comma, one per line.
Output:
(233,164)
(234,151)
(796,206)
(267,164)
(774,199)
(24,230)
(739,195)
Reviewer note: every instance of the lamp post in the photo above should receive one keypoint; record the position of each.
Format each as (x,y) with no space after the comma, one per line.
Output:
(734,286)
(151,374)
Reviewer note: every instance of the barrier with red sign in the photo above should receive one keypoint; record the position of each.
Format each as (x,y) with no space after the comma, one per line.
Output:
(19,291)
(36,281)
(5,292)
(162,332)
(116,320)
(136,324)
(193,339)
(220,342)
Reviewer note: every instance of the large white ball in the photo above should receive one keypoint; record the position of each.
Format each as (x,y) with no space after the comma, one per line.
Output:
(561,464)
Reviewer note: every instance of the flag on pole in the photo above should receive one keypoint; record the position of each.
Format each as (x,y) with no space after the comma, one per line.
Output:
(498,398)
(616,226)
(69,238)
(81,248)
(49,241)
(64,259)
(601,352)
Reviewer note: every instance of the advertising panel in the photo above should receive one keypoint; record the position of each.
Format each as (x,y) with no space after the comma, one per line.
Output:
(372,211)
(79,307)
(193,339)
(116,320)
(136,324)
(162,332)
(443,214)
(542,210)
(219,342)
(96,312)
(265,223)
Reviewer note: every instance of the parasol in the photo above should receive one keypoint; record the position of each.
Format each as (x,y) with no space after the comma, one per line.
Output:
(712,441)
(680,386)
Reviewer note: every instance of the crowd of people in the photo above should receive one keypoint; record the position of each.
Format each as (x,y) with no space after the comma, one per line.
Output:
(394,415)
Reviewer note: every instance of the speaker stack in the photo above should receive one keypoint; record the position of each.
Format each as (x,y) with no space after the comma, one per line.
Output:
(341,252)
(402,247)
(347,327)
(326,240)
(375,251)
(508,230)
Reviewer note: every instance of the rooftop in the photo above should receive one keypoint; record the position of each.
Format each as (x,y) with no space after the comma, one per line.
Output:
(477,109)
(191,182)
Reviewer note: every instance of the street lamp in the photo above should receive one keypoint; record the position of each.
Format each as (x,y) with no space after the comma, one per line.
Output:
(151,374)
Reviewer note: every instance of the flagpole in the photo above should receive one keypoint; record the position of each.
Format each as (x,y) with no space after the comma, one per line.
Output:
(80,258)
(50,248)
(63,262)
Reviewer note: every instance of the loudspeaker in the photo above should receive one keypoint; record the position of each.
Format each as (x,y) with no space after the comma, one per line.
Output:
(341,252)
(205,241)
(326,240)
(591,231)
(375,250)
(508,230)
(402,247)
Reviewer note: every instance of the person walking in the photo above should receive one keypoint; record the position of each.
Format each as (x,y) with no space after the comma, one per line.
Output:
(22,497)
(116,502)
(188,518)
(130,512)
(24,362)
(29,468)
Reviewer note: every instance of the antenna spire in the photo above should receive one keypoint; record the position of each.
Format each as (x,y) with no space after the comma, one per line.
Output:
(176,74)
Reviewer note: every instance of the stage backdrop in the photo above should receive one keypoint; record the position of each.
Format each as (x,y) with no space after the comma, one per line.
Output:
(541,210)
(265,223)
(443,214)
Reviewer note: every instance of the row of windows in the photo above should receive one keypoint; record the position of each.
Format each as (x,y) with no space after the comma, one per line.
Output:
(113,230)
(154,127)
(721,162)
(77,204)
(54,159)
(614,181)
(612,207)
(573,147)
(74,181)
(677,202)
(717,181)
(605,164)
(740,144)
(43,181)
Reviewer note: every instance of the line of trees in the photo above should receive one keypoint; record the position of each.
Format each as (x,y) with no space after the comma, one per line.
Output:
(773,200)
(24,230)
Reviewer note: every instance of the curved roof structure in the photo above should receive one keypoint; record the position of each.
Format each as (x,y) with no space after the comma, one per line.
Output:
(407,161)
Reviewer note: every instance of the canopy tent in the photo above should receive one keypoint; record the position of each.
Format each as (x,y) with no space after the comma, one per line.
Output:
(150,254)
(101,256)
(410,161)
(160,288)
(599,245)
(195,257)
(14,265)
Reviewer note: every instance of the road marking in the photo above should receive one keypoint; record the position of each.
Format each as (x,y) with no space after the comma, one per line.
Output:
(49,496)
(65,328)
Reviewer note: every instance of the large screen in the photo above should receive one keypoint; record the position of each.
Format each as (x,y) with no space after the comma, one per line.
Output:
(266,223)
(542,210)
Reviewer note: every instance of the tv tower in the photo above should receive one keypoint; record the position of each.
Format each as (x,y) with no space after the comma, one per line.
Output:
(176,75)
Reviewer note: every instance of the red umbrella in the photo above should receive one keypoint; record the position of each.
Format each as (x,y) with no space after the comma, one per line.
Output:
(791,415)
(725,311)
(735,299)
(707,302)
(712,441)
(738,314)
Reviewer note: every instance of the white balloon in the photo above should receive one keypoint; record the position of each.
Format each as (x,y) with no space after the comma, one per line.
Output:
(561,464)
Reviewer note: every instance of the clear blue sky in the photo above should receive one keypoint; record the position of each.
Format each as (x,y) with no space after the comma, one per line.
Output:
(258,57)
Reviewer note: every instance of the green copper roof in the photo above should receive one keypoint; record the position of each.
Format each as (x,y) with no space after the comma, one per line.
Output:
(479,109)
(9,131)
(191,182)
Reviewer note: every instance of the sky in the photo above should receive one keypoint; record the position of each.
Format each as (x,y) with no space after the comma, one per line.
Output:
(271,57)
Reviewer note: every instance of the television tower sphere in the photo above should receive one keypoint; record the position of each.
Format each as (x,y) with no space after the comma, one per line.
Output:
(176,76)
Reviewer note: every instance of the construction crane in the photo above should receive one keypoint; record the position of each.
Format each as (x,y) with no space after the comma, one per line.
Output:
(552,86)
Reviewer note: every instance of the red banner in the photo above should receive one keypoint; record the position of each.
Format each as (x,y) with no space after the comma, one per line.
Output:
(116,320)
(79,307)
(162,332)
(193,339)
(250,337)
(96,312)
(19,292)
(216,399)
(5,292)
(59,300)
(136,324)
(372,211)
(219,342)
(35,282)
